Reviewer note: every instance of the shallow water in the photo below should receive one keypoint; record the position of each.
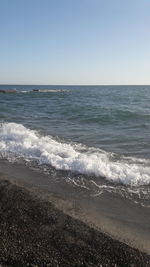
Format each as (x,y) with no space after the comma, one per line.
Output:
(97,135)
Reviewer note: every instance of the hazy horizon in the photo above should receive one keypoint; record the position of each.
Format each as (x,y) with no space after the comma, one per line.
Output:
(28,84)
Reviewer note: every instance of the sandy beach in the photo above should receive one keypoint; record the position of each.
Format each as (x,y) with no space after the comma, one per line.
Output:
(33,232)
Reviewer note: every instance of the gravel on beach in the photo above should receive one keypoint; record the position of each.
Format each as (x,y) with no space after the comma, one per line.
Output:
(34,233)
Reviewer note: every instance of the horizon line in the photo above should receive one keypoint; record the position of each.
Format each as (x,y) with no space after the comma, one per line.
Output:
(76,84)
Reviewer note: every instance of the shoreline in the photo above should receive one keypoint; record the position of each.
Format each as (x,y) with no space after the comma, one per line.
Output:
(33,232)
(118,217)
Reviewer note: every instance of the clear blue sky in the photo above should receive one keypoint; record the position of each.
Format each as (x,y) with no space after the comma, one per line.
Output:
(75,41)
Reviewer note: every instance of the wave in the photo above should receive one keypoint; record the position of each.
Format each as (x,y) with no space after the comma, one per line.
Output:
(17,141)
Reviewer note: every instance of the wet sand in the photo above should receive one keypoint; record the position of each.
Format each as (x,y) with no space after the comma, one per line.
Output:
(33,232)
(118,217)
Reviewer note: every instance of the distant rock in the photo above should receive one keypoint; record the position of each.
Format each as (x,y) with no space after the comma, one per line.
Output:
(13,91)
(49,90)
(8,91)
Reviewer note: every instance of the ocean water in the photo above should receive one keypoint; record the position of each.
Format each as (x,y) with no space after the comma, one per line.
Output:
(98,137)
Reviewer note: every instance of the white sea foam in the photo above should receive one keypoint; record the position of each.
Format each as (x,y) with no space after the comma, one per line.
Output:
(18,141)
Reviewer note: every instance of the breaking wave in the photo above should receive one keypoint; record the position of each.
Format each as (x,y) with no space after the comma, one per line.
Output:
(17,141)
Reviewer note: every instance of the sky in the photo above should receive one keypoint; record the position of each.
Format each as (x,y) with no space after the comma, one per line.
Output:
(75,42)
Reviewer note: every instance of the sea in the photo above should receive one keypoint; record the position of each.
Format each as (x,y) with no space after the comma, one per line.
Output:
(97,137)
